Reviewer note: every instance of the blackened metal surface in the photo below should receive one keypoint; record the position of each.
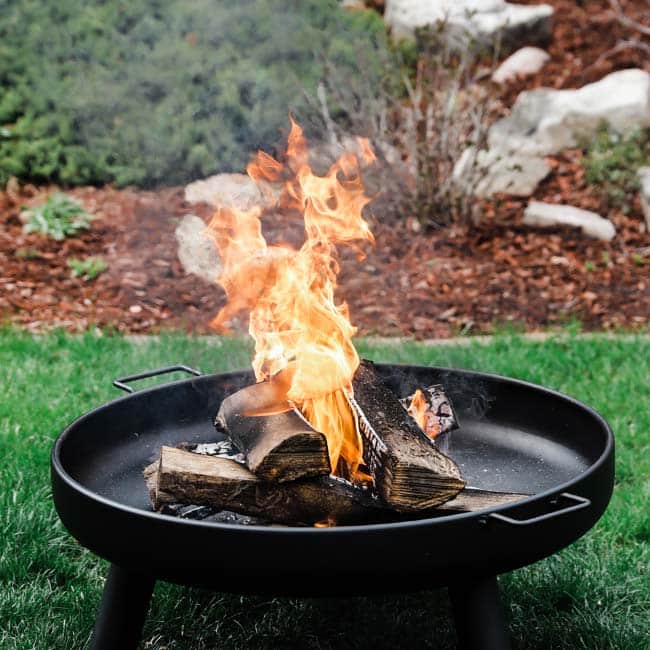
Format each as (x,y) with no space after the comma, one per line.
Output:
(514,437)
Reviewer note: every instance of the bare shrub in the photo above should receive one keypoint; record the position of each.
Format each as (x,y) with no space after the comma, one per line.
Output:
(421,109)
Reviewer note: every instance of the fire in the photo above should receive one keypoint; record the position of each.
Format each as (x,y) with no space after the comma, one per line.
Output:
(301,334)
(419,410)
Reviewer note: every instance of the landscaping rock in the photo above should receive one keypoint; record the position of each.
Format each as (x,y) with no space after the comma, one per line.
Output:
(547,215)
(501,173)
(546,121)
(197,252)
(482,21)
(644,181)
(237,191)
(525,61)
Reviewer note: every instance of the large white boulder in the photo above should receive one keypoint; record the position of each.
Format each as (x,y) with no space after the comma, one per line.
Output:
(546,215)
(483,21)
(546,121)
(491,172)
(237,191)
(644,182)
(196,251)
(525,61)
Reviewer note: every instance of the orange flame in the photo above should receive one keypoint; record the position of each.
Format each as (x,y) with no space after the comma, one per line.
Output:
(419,410)
(294,319)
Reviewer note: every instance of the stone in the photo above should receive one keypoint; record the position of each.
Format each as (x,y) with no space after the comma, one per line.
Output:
(643,175)
(237,191)
(481,21)
(525,61)
(547,215)
(496,173)
(546,121)
(196,251)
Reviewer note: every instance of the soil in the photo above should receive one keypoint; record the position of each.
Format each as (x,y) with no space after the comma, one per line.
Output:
(412,283)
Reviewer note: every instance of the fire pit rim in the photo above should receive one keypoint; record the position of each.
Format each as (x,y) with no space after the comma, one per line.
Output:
(538,498)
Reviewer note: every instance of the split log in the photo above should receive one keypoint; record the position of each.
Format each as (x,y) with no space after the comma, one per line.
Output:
(190,478)
(471,499)
(178,504)
(436,415)
(277,446)
(409,472)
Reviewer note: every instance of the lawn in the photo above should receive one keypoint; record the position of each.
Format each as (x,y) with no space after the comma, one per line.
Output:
(595,594)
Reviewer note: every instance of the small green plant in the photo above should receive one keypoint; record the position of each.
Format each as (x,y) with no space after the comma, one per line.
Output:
(590,267)
(611,161)
(87,269)
(26,253)
(59,217)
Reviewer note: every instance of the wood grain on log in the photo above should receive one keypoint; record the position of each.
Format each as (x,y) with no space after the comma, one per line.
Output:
(187,477)
(409,472)
(279,444)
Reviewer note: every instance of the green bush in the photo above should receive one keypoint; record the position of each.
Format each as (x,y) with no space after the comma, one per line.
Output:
(611,161)
(155,92)
(88,268)
(59,217)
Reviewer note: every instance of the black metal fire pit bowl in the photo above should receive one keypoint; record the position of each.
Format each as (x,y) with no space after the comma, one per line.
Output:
(514,437)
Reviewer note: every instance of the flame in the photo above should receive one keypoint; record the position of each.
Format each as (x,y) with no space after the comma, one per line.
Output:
(298,327)
(419,410)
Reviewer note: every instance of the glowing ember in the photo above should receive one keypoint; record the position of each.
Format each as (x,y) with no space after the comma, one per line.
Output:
(298,328)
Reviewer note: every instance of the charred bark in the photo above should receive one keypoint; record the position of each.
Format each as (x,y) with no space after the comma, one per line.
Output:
(277,441)
(409,472)
(190,478)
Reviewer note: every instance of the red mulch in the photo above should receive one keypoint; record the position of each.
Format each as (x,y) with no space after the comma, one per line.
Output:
(426,285)
(412,283)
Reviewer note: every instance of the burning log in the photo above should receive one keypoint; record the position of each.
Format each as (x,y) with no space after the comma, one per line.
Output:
(432,410)
(199,492)
(409,472)
(185,477)
(277,441)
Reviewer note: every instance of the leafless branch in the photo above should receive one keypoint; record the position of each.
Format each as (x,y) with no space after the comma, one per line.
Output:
(626,20)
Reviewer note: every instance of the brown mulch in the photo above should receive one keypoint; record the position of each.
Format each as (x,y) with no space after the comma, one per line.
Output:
(583,33)
(412,283)
(425,285)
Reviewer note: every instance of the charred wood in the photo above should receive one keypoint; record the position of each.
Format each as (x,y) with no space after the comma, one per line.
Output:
(277,441)
(224,484)
(438,412)
(409,472)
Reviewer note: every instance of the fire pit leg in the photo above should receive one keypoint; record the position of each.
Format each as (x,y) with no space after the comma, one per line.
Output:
(479,616)
(122,611)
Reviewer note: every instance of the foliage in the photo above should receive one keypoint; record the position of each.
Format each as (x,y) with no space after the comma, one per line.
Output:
(592,595)
(423,114)
(611,161)
(157,92)
(88,268)
(59,217)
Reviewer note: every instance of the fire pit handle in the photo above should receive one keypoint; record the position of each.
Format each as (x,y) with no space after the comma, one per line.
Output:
(578,504)
(122,382)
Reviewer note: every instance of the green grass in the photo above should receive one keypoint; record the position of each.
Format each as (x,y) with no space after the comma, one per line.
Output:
(595,594)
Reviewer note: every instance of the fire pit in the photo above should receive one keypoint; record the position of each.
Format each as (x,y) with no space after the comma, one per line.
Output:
(334,481)
(513,437)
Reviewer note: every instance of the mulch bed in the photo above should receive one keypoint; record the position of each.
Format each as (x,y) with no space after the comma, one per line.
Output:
(412,283)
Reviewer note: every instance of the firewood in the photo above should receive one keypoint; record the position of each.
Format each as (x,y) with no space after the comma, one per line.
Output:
(277,446)
(471,499)
(409,472)
(438,412)
(191,478)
